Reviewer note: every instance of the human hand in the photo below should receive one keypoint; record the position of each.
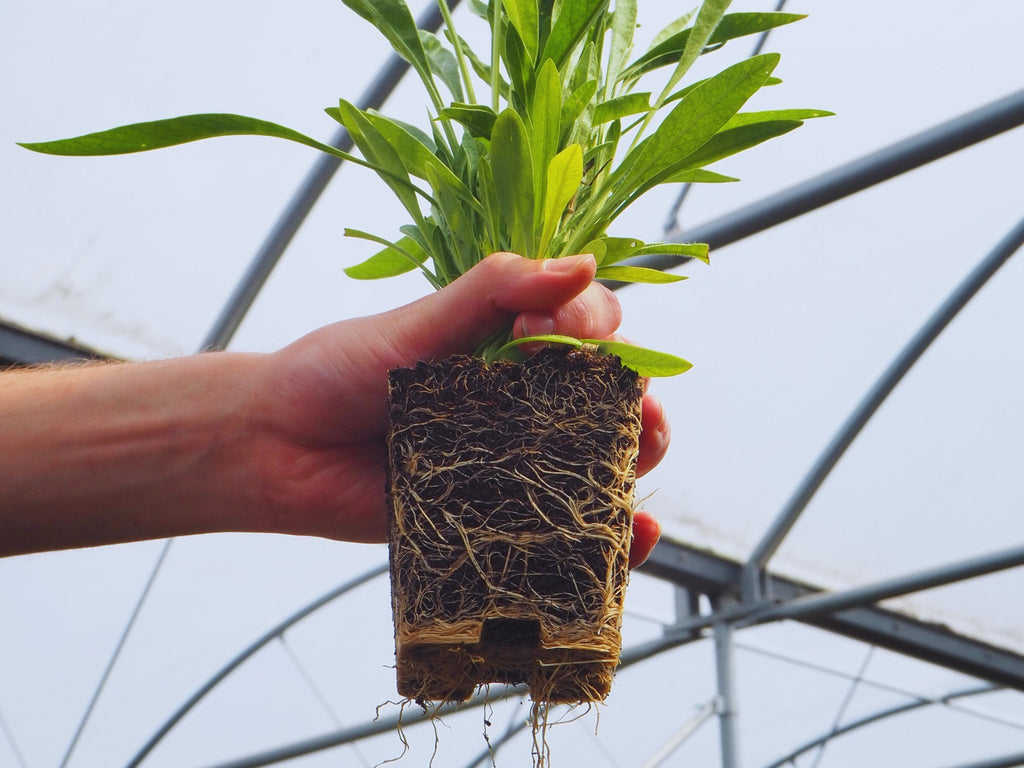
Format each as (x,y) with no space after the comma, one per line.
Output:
(322,401)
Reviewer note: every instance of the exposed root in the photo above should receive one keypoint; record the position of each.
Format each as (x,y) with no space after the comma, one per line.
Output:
(511,493)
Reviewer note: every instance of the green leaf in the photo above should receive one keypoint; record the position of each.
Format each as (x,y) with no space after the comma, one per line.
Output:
(393,19)
(611,250)
(697,251)
(141,137)
(672,29)
(732,141)
(637,275)
(623,30)
(622,106)
(572,23)
(578,100)
(564,175)
(478,119)
(443,64)
(512,164)
(418,158)
(698,176)
(708,17)
(646,362)
(691,124)
(379,151)
(545,127)
(488,193)
(733,25)
(396,259)
(749,118)
(525,18)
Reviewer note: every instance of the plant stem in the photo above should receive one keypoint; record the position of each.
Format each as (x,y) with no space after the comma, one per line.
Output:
(497,43)
(453,38)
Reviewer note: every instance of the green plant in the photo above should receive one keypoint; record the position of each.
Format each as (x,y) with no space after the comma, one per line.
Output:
(538,167)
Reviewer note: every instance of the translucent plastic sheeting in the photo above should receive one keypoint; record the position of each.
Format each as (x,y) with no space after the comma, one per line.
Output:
(787,330)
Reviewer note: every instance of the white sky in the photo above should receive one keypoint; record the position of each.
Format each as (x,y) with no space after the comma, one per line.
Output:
(135,255)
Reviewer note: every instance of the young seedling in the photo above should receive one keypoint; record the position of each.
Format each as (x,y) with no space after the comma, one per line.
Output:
(511,483)
(565,139)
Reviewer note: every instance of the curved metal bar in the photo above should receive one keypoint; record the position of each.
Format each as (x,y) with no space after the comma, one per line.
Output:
(910,354)
(1006,761)
(305,198)
(874,718)
(230,667)
(382,725)
(855,176)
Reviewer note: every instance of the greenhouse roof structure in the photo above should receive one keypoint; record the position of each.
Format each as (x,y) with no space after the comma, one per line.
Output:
(844,546)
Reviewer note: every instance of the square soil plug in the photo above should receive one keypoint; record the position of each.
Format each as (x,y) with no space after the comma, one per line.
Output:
(511,499)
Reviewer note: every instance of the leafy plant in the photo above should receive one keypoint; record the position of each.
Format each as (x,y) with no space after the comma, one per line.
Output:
(566,140)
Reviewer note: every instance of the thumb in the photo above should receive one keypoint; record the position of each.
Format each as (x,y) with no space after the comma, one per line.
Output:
(464,313)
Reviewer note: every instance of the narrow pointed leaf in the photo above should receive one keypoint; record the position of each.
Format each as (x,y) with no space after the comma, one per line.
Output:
(612,249)
(623,31)
(417,158)
(141,137)
(395,259)
(733,25)
(393,19)
(443,64)
(525,17)
(574,20)
(692,123)
(622,106)
(545,126)
(708,17)
(646,362)
(564,175)
(637,275)
(750,118)
(697,251)
(699,176)
(379,151)
(512,165)
(478,119)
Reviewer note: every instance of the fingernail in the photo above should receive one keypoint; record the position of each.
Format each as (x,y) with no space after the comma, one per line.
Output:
(536,324)
(567,264)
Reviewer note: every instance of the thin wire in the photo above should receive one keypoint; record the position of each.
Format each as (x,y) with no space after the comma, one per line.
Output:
(5,728)
(117,650)
(854,684)
(886,687)
(317,693)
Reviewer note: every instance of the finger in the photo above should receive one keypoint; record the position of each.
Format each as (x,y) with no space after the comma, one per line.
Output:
(646,532)
(593,314)
(460,316)
(655,435)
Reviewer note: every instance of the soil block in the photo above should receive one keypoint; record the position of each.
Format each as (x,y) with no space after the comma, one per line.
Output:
(511,500)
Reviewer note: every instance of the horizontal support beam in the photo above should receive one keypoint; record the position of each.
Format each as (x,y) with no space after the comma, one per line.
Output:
(823,603)
(718,576)
(20,346)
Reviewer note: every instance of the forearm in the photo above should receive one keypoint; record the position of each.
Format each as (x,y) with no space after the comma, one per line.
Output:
(99,454)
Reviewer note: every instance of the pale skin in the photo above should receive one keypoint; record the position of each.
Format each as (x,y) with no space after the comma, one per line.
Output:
(287,442)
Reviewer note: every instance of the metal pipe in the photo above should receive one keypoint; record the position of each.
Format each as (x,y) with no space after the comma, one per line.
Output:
(305,198)
(857,175)
(832,602)
(1006,761)
(910,354)
(677,739)
(230,667)
(726,703)
(874,718)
